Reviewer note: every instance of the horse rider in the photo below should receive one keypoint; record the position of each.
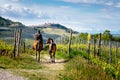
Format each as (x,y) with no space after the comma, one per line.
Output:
(38,38)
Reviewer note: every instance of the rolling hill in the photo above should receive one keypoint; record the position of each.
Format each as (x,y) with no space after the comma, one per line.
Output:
(8,23)
(54,27)
(48,30)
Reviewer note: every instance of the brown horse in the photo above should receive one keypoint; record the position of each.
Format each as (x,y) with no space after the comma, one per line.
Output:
(37,47)
(52,49)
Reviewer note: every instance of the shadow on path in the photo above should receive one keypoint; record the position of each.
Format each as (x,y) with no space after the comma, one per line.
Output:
(57,61)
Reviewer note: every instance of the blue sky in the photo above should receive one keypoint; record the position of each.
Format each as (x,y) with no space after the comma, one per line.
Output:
(92,16)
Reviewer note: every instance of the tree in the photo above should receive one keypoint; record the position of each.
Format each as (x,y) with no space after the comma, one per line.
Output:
(96,36)
(83,36)
(107,35)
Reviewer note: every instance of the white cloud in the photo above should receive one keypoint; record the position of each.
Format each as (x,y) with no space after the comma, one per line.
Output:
(102,2)
(16,11)
(109,3)
(64,7)
(118,4)
(81,1)
(69,16)
(40,13)
(15,0)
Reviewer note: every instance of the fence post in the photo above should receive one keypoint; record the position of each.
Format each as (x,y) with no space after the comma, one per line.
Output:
(116,55)
(99,46)
(94,47)
(15,42)
(88,51)
(18,41)
(17,38)
(110,46)
(69,44)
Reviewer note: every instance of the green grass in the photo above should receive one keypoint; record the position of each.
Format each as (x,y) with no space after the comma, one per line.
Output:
(31,74)
(5,46)
(77,64)
(24,62)
(112,69)
(60,55)
(22,66)
(78,69)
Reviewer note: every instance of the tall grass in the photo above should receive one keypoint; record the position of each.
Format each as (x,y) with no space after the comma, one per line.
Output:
(5,46)
(77,64)
(78,69)
(24,62)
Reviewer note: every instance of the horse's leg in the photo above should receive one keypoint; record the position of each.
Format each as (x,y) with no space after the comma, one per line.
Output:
(50,56)
(53,57)
(38,56)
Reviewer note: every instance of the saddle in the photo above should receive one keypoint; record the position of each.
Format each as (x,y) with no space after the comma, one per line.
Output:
(37,45)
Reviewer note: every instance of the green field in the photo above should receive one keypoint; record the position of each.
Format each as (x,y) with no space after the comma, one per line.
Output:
(73,67)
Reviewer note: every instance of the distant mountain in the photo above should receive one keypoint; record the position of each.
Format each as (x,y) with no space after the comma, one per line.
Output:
(50,25)
(52,30)
(53,26)
(9,23)
(116,35)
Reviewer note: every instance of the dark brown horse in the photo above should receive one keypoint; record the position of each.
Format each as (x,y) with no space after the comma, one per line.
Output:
(52,49)
(38,48)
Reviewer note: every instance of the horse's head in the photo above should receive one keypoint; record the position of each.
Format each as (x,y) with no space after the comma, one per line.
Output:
(50,40)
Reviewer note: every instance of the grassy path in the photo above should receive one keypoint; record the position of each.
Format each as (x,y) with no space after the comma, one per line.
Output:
(27,68)
(51,71)
(48,71)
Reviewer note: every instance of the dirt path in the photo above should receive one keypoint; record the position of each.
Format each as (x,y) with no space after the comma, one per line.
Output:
(7,75)
(49,71)
(52,70)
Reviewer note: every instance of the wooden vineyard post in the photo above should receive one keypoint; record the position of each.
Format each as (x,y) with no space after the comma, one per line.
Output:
(89,39)
(15,43)
(99,47)
(17,38)
(18,41)
(110,45)
(94,47)
(69,44)
(116,55)
(20,32)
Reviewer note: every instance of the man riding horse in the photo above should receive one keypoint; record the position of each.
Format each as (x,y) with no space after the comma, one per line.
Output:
(38,39)
(38,44)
